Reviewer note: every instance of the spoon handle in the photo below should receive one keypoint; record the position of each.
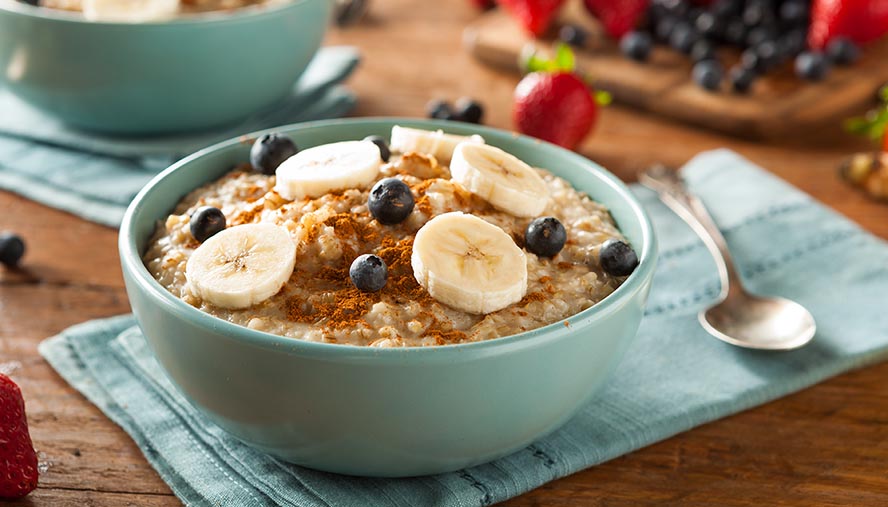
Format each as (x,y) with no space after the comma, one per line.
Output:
(675,194)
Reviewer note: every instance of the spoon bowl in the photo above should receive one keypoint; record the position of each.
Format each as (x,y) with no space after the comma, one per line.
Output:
(768,323)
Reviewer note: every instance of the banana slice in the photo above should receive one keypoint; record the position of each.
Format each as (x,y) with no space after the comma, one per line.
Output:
(241,266)
(130,11)
(436,143)
(499,178)
(327,168)
(468,263)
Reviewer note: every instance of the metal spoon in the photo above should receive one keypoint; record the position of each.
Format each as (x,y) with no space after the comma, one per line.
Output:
(739,317)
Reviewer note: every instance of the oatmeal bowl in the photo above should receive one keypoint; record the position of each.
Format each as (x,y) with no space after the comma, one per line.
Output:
(387,297)
(156,66)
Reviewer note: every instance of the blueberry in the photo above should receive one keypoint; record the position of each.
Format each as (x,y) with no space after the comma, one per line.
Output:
(469,110)
(617,258)
(726,9)
(664,28)
(768,54)
(758,13)
(545,237)
(708,74)
(741,78)
(793,42)
(384,152)
(391,201)
(735,32)
(368,272)
(811,65)
(636,45)
(794,12)
(683,37)
(12,248)
(676,7)
(709,24)
(206,222)
(703,50)
(270,151)
(841,51)
(751,60)
(758,35)
(439,110)
(574,35)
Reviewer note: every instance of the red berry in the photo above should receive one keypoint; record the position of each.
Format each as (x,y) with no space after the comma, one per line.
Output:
(618,17)
(860,20)
(534,15)
(558,108)
(18,461)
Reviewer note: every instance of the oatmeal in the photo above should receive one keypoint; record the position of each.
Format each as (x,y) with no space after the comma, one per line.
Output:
(177,6)
(409,263)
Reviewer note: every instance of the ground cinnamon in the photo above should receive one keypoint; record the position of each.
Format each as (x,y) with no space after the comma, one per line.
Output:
(346,306)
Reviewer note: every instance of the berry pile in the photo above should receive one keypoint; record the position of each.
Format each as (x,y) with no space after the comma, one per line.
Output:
(768,33)
(465,109)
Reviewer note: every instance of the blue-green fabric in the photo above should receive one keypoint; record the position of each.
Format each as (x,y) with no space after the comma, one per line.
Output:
(95,176)
(674,377)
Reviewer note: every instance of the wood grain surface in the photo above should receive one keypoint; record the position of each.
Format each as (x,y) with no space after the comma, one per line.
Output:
(778,105)
(825,446)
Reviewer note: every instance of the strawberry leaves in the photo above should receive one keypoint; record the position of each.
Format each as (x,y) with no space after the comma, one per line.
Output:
(874,124)
(563,61)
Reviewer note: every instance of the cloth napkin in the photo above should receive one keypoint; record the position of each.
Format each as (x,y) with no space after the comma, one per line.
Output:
(674,376)
(95,176)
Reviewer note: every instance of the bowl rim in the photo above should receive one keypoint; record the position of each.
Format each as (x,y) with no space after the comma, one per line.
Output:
(637,281)
(241,14)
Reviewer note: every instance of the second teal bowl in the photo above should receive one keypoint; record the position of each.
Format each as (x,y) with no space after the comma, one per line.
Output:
(192,73)
(385,412)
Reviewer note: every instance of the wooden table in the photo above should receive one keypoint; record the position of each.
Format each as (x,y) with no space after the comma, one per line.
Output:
(827,445)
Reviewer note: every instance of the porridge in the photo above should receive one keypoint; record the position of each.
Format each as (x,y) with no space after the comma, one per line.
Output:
(438,239)
(145,10)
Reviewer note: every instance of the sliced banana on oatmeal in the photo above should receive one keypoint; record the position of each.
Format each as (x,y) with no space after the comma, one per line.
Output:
(328,168)
(129,11)
(468,263)
(431,142)
(241,266)
(499,178)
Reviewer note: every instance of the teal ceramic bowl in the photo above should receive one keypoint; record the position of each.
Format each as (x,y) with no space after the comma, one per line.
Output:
(385,412)
(189,73)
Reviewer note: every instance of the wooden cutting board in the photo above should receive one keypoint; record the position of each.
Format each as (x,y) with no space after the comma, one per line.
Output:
(778,105)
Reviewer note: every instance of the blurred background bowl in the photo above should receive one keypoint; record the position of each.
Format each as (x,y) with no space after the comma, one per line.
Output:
(194,72)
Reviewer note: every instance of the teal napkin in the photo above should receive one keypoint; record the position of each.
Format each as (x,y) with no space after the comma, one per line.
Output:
(95,176)
(674,377)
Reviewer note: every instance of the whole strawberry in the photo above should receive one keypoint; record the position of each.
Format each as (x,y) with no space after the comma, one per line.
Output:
(553,103)
(18,461)
(618,17)
(534,15)
(860,20)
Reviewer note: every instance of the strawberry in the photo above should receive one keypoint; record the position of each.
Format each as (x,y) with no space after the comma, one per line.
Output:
(18,461)
(534,15)
(618,17)
(553,103)
(860,20)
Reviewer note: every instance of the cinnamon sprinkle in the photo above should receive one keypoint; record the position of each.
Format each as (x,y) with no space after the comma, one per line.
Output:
(346,307)
(532,297)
